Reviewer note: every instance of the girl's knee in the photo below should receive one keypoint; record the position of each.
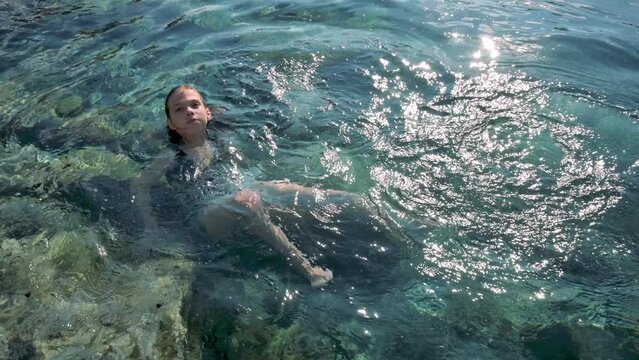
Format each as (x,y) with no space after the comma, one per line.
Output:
(281,186)
(248,198)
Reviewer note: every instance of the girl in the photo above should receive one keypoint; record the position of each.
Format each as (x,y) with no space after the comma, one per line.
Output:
(187,120)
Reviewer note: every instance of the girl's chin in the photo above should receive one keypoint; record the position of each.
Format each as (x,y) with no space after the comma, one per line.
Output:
(193,135)
(195,127)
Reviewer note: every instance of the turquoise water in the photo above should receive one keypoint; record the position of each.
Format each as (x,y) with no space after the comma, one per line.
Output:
(498,141)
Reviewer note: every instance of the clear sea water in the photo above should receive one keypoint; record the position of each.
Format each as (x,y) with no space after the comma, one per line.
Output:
(497,141)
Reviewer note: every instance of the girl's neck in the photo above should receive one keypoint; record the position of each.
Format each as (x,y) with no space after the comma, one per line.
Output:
(200,151)
(194,142)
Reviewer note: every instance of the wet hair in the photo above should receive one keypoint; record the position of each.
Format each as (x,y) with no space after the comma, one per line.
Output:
(174,136)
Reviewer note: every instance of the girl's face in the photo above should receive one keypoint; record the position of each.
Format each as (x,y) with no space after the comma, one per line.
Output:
(187,114)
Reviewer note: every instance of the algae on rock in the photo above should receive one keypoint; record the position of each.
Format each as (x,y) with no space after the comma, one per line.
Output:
(68,105)
(123,311)
(29,168)
(64,295)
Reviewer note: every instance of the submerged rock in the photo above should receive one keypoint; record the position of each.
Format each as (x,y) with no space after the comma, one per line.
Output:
(253,338)
(20,349)
(368,21)
(89,162)
(119,318)
(109,129)
(296,342)
(212,20)
(68,105)
(70,298)
(95,98)
(29,169)
(77,252)
(20,217)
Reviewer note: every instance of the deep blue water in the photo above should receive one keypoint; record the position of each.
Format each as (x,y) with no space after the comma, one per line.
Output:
(495,141)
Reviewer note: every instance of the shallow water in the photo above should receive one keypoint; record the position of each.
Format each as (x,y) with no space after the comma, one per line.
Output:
(495,142)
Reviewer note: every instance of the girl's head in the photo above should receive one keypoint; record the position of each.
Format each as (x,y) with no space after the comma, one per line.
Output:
(187,116)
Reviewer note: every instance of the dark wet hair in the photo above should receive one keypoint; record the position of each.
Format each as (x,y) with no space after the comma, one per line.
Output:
(174,136)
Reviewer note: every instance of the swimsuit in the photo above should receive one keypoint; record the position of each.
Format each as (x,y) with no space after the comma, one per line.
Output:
(189,189)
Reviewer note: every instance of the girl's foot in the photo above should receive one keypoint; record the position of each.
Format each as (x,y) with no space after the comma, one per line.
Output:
(319,277)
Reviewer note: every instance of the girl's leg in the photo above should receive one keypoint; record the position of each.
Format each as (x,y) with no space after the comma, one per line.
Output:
(220,219)
(310,196)
(248,204)
(289,187)
(297,195)
(360,202)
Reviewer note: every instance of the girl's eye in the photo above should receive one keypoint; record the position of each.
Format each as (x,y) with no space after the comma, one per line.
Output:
(195,105)
(178,109)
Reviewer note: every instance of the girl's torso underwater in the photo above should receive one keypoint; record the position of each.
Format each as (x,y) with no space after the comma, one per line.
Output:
(190,187)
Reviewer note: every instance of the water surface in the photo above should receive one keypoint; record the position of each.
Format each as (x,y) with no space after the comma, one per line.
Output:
(495,141)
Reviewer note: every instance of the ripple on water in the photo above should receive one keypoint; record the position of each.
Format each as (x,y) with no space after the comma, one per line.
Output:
(495,145)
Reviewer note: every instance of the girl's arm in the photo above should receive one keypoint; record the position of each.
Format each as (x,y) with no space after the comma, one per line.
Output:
(153,173)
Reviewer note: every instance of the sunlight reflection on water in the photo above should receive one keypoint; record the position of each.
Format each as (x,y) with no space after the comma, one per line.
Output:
(493,167)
